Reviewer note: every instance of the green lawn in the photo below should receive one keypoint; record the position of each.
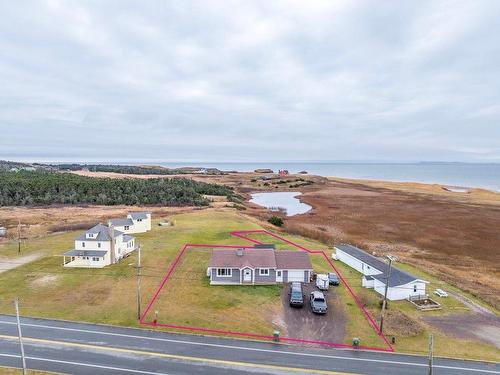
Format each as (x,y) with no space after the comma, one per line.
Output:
(108,295)
(222,307)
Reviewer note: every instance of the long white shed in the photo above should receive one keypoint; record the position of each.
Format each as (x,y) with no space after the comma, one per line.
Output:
(402,285)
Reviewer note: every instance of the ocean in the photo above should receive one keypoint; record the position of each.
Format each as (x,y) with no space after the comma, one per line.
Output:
(471,175)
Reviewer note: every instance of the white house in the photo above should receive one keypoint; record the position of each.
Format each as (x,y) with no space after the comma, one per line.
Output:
(98,247)
(135,222)
(402,285)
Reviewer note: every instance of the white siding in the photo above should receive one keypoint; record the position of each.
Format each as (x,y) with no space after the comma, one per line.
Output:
(92,245)
(121,228)
(141,226)
(88,263)
(367,283)
(400,292)
(396,293)
(358,265)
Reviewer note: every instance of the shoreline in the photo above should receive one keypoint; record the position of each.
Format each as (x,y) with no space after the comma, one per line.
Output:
(447,187)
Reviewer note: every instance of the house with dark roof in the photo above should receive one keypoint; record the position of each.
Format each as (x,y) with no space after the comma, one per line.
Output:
(402,285)
(258,266)
(135,222)
(98,247)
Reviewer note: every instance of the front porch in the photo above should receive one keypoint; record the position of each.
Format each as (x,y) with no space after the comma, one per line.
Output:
(85,259)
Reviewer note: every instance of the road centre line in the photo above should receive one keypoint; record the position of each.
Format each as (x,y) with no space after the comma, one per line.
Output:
(283,352)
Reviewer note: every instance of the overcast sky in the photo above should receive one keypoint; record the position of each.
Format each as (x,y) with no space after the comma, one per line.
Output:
(250,80)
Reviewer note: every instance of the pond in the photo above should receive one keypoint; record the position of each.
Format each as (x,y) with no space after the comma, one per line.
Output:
(281,201)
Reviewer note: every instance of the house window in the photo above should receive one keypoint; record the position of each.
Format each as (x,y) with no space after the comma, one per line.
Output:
(224,272)
(264,271)
(99,244)
(83,244)
(127,227)
(95,259)
(414,289)
(139,219)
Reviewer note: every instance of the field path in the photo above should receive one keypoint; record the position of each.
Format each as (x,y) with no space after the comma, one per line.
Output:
(7,264)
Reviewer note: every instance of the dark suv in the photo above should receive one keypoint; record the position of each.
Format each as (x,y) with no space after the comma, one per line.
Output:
(318,302)
(333,278)
(296,295)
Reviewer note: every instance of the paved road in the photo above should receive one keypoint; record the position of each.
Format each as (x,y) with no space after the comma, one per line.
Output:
(79,348)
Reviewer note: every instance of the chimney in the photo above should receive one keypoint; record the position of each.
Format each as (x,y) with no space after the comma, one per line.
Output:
(239,252)
(112,253)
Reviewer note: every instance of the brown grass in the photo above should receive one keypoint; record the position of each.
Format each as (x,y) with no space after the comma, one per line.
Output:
(453,236)
(40,221)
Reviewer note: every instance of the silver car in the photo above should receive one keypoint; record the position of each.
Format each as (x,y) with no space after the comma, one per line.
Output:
(318,302)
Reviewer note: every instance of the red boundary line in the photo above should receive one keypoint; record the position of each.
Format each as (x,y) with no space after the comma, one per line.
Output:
(242,235)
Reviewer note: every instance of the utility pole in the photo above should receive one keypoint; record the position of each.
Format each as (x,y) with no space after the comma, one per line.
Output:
(139,269)
(384,304)
(19,237)
(431,348)
(16,302)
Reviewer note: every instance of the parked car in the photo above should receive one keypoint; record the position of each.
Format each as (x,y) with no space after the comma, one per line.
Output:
(322,281)
(296,295)
(318,302)
(333,278)
(441,293)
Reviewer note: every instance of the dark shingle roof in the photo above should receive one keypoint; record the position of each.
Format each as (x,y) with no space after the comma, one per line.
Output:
(103,234)
(290,259)
(264,246)
(139,215)
(127,238)
(254,258)
(260,258)
(85,253)
(398,277)
(121,222)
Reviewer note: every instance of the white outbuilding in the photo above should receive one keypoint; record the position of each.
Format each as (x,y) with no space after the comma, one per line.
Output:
(402,285)
(135,222)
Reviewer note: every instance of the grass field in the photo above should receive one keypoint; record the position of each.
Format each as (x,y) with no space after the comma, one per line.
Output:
(222,307)
(108,295)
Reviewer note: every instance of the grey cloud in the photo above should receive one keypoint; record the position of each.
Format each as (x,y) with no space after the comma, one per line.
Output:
(243,80)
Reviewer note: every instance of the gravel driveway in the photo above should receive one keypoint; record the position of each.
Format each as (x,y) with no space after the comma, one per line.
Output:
(302,323)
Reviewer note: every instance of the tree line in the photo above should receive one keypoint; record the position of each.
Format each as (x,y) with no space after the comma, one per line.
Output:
(42,188)
(131,169)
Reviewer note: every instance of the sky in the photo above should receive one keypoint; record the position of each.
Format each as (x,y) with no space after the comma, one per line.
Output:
(231,81)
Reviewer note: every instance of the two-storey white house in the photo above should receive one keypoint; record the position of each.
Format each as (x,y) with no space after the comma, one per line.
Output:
(98,247)
(135,222)
(402,285)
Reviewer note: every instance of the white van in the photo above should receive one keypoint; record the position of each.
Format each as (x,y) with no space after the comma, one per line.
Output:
(322,281)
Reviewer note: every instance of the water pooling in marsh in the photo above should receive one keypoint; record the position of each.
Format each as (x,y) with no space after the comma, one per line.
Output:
(281,201)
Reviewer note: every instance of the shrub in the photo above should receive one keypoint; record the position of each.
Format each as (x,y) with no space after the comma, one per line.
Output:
(276,220)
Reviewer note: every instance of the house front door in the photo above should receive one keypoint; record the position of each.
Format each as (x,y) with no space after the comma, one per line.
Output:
(247,275)
(279,276)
